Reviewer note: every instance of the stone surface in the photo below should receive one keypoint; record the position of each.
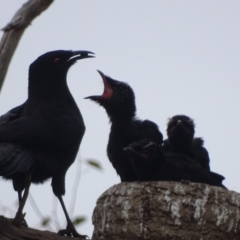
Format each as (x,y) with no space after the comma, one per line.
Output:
(167,210)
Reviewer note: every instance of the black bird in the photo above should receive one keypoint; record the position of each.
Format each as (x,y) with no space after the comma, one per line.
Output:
(118,99)
(146,158)
(40,138)
(152,164)
(180,132)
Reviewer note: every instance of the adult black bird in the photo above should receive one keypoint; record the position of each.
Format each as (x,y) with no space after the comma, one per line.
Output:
(151,163)
(118,99)
(180,132)
(40,138)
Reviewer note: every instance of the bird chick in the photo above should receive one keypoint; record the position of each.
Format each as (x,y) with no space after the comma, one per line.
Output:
(180,132)
(151,163)
(118,99)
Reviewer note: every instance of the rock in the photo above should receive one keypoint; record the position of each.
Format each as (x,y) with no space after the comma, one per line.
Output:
(167,211)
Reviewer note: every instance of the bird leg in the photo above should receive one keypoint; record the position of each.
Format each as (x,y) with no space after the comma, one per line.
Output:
(24,223)
(19,197)
(19,217)
(70,229)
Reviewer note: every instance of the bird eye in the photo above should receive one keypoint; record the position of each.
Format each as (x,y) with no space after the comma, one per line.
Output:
(57,60)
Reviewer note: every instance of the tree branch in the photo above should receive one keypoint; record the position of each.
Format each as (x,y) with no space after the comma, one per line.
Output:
(14,30)
(10,232)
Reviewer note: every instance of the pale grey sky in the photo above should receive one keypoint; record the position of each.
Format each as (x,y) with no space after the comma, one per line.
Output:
(180,57)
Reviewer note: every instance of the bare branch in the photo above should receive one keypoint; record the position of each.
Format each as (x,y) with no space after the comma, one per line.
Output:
(14,30)
(10,232)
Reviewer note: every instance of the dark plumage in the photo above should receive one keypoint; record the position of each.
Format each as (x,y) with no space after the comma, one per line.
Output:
(180,132)
(146,158)
(119,102)
(152,164)
(40,138)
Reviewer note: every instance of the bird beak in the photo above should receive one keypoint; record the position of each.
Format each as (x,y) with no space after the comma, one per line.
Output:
(179,122)
(82,54)
(94,98)
(102,75)
(77,55)
(107,92)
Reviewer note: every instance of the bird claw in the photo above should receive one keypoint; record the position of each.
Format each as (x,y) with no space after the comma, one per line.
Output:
(19,220)
(71,232)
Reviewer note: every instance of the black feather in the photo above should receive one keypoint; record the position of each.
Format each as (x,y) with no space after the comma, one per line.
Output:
(118,99)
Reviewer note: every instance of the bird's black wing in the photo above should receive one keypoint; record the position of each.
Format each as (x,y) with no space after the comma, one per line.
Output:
(184,168)
(201,153)
(146,158)
(27,129)
(149,130)
(198,153)
(11,115)
(217,176)
(13,158)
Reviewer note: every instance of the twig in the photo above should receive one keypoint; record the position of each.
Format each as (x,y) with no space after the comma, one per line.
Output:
(35,207)
(15,29)
(75,186)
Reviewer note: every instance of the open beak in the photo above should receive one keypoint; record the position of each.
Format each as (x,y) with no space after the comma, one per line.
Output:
(107,92)
(77,55)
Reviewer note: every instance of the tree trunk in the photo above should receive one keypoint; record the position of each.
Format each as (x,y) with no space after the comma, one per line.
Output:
(167,211)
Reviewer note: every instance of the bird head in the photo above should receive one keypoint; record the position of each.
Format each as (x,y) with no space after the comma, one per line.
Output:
(180,127)
(48,73)
(56,63)
(117,98)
